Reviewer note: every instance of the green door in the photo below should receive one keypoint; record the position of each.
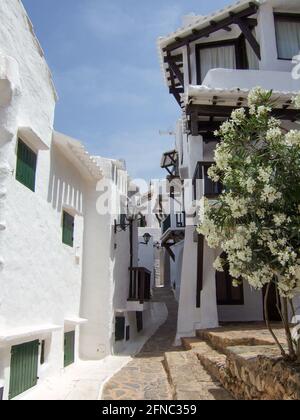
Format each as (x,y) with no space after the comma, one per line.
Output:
(23,368)
(69,356)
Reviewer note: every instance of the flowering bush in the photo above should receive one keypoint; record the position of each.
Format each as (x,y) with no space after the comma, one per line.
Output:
(256,220)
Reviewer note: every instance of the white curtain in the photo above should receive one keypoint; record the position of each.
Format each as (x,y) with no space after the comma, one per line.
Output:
(219,57)
(253,60)
(288,38)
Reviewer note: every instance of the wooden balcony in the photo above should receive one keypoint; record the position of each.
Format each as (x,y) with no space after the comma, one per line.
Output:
(140,285)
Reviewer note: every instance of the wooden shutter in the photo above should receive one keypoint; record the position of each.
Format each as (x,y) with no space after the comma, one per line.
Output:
(26,166)
(68,229)
(69,348)
(23,368)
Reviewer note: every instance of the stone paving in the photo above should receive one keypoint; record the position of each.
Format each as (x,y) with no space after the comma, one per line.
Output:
(145,378)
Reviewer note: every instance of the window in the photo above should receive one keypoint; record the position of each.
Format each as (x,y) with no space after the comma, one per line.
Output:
(42,359)
(230,54)
(217,57)
(120,328)
(69,348)
(226,293)
(210,189)
(287,35)
(26,165)
(68,229)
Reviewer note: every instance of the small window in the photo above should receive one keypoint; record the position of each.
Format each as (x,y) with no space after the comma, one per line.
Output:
(288,35)
(68,229)
(226,293)
(26,165)
(120,328)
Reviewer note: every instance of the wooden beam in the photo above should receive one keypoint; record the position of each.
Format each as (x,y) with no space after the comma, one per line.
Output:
(188,53)
(175,69)
(225,111)
(250,37)
(197,34)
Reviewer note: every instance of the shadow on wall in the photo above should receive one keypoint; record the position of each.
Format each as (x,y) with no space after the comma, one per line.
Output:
(65,183)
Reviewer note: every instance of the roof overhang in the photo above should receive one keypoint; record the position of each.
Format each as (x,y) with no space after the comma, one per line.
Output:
(78,155)
(170,47)
(209,24)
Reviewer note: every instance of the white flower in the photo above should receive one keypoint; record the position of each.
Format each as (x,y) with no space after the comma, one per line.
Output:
(238,205)
(250,185)
(292,138)
(270,195)
(263,110)
(255,96)
(236,283)
(296,101)
(238,115)
(222,158)
(218,264)
(212,173)
(279,219)
(265,174)
(274,134)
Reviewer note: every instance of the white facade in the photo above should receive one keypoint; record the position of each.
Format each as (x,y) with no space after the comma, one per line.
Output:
(207,85)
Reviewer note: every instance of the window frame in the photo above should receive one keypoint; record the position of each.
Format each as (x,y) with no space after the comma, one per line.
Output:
(285,17)
(18,176)
(239,45)
(64,240)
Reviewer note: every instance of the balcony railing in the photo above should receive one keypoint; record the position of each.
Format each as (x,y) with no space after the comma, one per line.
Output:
(174,221)
(210,189)
(140,284)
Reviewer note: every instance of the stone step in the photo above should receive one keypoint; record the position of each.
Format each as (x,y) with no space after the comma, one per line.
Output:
(189,380)
(221,339)
(212,360)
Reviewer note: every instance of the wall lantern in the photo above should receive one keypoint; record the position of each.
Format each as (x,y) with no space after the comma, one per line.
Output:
(147,237)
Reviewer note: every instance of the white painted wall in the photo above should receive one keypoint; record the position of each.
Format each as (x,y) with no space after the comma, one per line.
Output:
(252,310)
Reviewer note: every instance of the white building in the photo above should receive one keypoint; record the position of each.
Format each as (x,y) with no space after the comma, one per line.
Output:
(70,282)
(209,65)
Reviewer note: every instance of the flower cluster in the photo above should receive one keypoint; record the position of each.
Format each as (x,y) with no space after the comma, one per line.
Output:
(256,220)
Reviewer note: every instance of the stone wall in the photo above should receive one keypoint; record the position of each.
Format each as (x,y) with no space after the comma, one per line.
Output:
(261,377)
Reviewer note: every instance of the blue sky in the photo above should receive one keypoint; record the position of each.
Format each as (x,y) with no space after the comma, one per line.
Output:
(104,60)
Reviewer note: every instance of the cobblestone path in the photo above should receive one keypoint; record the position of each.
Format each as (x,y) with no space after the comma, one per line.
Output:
(145,377)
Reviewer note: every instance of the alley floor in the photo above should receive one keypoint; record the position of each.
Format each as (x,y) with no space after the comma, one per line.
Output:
(145,378)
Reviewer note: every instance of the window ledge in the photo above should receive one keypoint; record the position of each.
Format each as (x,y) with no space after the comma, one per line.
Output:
(32,138)
(24,333)
(75,321)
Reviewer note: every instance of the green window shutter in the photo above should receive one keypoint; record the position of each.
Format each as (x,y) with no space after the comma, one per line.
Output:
(68,229)
(26,166)
(120,328)
(23,368)
(69,348)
